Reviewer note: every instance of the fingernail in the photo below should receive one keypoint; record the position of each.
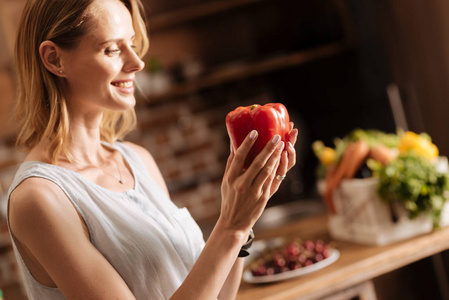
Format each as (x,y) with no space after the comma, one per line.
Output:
(253,134)
(281,146)
(276,139)
(290,145)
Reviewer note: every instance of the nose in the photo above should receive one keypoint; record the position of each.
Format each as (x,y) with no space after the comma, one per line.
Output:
(133,62)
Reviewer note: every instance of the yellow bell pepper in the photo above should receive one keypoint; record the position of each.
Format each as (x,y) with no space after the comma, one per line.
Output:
(418,144)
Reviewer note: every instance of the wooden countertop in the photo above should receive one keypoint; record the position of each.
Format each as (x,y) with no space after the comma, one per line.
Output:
(357,263)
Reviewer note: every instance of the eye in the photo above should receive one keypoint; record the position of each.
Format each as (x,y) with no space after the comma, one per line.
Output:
(112,51)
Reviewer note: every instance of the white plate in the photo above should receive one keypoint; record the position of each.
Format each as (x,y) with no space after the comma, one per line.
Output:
(333,256)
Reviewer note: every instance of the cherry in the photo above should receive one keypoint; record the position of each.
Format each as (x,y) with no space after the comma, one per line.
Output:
(293,265)
(291,256)
(319,246)
(293,249)
(302,258)
(308,262)
(270,271)
(259,270)
(279,261)
(319,257)
(309,245)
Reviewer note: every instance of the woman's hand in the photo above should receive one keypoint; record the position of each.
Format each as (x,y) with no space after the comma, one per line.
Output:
(245,193)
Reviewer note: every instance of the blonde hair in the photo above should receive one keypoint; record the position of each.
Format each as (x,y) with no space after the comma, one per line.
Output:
(41,107)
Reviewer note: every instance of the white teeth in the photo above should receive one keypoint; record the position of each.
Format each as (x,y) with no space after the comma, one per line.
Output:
(127,84)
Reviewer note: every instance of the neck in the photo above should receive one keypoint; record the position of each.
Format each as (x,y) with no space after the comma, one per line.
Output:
(85,142)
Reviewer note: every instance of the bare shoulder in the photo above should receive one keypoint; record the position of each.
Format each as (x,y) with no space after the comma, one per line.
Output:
(150,164)
(39,202)
(36,192)
(143,152)
(145,155)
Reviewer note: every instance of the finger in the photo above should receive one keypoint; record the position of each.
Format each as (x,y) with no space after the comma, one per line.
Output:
(230,159)
(291,152)
(293,136)
(241,153)
(268,186)
(283,165)
(269,169)
(281,170)
(261,159)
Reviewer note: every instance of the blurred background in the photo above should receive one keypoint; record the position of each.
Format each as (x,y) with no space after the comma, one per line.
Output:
(335,64)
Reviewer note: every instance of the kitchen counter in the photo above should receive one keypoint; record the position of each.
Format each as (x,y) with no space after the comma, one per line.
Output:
(357,265)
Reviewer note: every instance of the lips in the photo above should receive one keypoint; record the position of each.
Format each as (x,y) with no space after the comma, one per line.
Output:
(123,84)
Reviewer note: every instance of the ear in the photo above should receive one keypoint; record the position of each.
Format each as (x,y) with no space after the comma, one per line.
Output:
(51,57)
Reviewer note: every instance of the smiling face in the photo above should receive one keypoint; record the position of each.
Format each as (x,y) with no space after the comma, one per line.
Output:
(100,71)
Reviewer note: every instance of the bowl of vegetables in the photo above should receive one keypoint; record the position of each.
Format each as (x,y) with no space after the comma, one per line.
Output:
(383,187)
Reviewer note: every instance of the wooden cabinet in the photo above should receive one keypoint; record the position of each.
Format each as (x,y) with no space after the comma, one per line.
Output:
(234,40)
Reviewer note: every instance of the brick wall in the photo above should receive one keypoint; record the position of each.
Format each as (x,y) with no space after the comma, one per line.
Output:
(188,149)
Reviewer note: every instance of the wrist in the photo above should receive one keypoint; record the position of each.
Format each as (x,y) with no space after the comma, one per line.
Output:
(228,229)
(245,247)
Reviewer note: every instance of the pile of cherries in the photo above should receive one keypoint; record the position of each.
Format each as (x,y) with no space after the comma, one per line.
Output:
(293,255)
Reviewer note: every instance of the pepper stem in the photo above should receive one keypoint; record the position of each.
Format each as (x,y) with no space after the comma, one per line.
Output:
(253,106)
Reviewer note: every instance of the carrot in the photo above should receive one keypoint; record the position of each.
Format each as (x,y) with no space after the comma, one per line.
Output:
(334,178)
(382,154)
(353,157)
(330,179)
(360,153)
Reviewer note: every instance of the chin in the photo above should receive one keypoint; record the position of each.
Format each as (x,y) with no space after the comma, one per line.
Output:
(125,103)
(128,105)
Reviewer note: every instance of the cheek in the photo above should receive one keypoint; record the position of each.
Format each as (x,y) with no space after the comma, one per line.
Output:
(93,74)
(104,72)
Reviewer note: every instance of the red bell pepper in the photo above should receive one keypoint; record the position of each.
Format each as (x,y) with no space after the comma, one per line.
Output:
(269,120)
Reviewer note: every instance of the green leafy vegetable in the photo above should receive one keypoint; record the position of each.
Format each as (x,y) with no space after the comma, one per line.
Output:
(415,182)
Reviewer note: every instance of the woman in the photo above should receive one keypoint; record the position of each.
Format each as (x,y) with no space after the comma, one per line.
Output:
(90,217)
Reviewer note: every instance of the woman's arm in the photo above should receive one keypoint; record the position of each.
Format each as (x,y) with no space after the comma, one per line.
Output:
(54,243)
(232,283)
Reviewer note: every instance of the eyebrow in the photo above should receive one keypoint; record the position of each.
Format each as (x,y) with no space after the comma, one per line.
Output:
(115,40)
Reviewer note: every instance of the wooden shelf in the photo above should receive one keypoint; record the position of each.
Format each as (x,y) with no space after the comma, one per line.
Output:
(172,18)
(246,70)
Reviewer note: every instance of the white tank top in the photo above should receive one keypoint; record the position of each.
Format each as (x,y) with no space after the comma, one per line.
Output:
(151,243)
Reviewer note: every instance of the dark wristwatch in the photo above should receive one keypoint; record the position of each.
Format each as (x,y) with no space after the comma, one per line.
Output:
(244,250)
